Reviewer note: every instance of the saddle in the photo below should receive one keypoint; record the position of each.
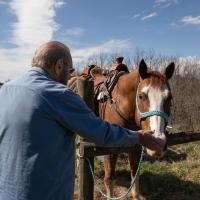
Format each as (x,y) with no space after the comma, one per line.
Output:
(104,79)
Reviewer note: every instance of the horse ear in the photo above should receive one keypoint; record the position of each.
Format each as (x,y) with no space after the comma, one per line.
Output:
(143,69)
(169,70)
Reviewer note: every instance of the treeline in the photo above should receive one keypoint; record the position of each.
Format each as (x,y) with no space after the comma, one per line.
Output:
(185,84)
(186,98)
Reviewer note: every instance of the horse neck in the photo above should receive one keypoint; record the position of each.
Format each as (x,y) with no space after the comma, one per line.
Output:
(126,90)
(129,82)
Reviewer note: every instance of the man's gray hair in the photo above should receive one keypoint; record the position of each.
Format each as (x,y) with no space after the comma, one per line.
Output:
(48,54)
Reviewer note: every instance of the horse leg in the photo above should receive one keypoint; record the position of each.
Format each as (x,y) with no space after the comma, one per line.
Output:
(134,158)
(109,167)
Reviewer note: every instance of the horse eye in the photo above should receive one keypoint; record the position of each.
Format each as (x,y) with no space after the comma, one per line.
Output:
(143,96)
(140,97)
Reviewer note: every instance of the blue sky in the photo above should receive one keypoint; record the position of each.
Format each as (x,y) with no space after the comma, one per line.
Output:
(88,27)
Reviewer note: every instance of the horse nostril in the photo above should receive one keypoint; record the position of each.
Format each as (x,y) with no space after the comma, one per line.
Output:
(159,155)
(165,147)
(153,131)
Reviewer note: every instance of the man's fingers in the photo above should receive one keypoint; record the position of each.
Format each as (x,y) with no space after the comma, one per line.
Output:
(146,132)
(148,140)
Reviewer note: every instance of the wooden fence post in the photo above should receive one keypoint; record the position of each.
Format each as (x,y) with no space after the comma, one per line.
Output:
(86,184)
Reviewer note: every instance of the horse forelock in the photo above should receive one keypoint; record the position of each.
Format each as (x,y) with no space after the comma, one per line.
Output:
(156,74)
(154,78)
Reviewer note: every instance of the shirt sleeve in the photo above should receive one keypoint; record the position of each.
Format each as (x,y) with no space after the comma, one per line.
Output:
(73,113)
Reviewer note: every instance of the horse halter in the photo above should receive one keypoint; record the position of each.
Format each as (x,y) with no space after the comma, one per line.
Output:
(143,115)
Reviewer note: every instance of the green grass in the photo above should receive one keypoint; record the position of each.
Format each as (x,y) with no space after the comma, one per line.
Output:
(175,177)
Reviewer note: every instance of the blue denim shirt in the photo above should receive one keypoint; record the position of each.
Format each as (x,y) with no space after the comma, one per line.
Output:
(38,118)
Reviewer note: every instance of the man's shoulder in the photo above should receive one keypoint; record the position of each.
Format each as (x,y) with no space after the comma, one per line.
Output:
(38,83)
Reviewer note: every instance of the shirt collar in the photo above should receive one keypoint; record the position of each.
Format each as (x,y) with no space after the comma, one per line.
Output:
(41,71)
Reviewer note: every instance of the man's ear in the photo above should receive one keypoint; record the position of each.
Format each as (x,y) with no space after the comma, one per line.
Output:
(58,66)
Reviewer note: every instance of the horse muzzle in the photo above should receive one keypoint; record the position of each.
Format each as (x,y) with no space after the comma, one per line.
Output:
(160,153)
(156,154)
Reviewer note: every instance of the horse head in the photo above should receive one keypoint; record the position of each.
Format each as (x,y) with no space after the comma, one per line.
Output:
(153,102)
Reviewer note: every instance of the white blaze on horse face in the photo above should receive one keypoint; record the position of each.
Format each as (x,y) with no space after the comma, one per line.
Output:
(156,98)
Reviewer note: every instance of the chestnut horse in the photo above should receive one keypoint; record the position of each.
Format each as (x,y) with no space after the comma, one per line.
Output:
(140,99)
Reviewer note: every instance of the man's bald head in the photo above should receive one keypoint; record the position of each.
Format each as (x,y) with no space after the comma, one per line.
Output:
(49,53)
(56,59)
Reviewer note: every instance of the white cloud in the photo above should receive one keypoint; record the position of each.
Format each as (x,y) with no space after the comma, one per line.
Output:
(136,16)
(35,21)
(165,3)
(111,46)
(74,32)
(161,1)
(2,2)
(153,14)
(34,25)
(191,20)
(13,62)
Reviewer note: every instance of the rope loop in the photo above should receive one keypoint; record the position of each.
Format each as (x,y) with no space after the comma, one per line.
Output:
(96,184)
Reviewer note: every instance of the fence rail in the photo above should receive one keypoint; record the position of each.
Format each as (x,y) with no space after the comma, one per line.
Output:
(90,150)
(182,137)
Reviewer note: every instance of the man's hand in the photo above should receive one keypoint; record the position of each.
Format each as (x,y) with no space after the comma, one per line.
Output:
(147,140)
